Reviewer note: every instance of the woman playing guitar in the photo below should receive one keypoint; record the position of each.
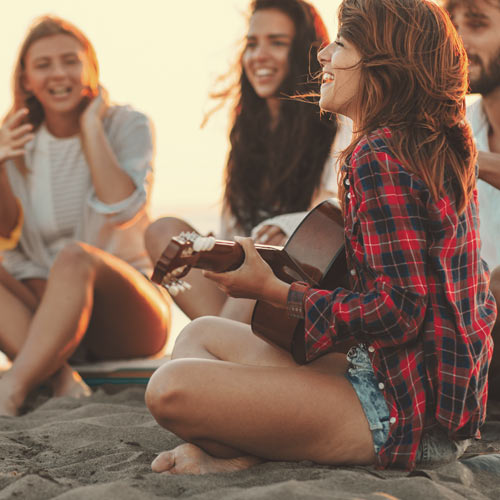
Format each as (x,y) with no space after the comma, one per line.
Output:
(413,391)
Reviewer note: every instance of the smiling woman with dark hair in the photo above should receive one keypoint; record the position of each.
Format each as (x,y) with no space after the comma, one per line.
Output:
(282,151)
(414,388)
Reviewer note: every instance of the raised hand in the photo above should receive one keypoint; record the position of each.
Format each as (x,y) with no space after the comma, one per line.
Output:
(96,108)
(14,135)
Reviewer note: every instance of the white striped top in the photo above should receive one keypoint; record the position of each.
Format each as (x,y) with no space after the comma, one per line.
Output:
(59,185)
(60,203)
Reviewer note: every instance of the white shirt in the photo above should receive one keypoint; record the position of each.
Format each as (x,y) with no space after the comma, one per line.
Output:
(59,183)
(117,228)
(488,195)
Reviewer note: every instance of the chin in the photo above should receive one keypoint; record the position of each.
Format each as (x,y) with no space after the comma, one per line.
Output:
(266,93)
(326,105)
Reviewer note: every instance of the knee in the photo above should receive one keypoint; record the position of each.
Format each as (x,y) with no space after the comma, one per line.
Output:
(75,259)
(160,232)
(167,391)
(193,337)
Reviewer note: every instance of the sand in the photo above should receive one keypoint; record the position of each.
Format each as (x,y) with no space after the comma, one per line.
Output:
(101,448)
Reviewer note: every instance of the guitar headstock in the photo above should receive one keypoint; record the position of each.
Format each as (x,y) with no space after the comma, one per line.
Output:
(178,258)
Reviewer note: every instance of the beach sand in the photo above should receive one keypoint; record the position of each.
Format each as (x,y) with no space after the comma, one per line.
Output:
(101,447)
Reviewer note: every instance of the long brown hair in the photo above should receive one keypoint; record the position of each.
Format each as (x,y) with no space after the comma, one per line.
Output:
(270,172)
(43,27)
(414,81)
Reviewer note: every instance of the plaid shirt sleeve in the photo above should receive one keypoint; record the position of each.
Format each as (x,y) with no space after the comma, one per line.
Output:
(385,243)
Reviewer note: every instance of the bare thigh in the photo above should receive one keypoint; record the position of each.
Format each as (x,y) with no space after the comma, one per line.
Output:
(228,340)
(276,413)
(130,317)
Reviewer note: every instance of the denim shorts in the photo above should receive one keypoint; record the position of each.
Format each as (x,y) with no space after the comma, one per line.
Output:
(360,375)
(435,447)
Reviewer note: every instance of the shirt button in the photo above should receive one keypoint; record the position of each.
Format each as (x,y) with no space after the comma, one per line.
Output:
(392,420)
(371,348)
(353,272)
(349,196)
(381,386)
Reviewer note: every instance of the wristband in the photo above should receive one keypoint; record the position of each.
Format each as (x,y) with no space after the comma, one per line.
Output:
(295,299)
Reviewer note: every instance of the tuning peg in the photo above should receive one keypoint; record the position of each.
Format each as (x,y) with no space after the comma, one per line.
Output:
(185,285)
(175,286)
(172,288)
(203,243)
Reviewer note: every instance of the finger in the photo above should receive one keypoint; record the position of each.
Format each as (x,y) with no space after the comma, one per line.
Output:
(274,231)
(217,277)
(263,230)
(14,153)
(248,246)
(278,239)
(21,142)
(270,233)
(104,93)
(16,118)
(20,131)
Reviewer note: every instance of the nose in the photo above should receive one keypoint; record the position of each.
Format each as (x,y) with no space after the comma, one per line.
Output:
(261,51)
(325,54)
(58,70)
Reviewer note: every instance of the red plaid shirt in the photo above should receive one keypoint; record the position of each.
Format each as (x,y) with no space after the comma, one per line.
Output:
(420,301)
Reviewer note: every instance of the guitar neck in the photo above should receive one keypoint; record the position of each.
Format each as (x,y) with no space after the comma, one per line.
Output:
(229,255)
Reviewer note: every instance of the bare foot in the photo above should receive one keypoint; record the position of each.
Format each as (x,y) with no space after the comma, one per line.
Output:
(67,382)
(190,459)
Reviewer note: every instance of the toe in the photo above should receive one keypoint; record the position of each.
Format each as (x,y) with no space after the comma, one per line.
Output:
(163,462)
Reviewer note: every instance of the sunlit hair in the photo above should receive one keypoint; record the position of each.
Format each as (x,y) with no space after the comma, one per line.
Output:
(41,28)
(270,172)
(414,81)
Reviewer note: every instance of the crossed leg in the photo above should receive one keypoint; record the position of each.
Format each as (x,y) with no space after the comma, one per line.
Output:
(236,400)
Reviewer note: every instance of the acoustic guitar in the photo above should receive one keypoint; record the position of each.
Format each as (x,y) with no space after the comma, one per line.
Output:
(314,253)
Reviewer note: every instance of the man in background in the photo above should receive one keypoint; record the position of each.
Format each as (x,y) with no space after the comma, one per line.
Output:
(478,23)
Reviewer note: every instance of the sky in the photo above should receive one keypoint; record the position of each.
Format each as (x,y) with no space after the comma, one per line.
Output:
(163,58)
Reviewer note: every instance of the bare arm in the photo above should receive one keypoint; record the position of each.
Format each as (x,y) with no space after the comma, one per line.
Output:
(111,183)
(9,212)
(13,136)
(489,167)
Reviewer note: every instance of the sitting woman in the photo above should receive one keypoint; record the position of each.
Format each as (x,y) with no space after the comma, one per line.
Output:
(79,171)
(281,158)
(414,389)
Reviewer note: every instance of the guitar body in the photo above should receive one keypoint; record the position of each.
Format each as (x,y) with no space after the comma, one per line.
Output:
(316,251)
